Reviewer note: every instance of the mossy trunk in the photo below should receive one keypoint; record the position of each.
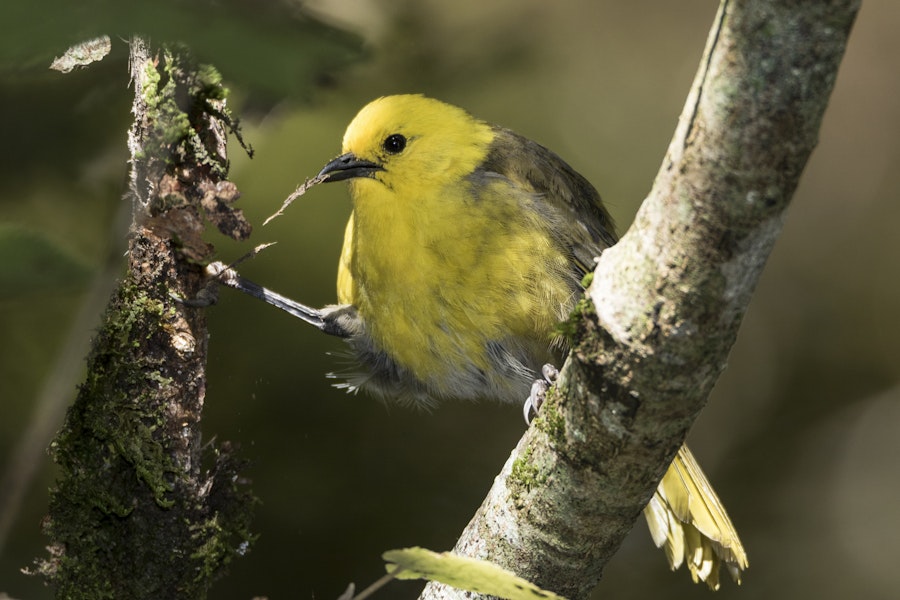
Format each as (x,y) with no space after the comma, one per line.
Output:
(138,510)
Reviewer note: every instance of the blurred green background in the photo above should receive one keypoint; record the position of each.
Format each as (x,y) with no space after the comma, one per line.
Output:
(800,437)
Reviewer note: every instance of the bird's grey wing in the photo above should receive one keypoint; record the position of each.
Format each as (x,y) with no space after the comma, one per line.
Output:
(581,222)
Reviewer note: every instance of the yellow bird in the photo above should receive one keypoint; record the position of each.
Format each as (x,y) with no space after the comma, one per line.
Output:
(466,247)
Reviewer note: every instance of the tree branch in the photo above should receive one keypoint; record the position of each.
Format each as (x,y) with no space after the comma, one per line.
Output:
(667,300)
(133,513)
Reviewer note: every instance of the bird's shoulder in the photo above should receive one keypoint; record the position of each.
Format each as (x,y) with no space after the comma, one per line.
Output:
(540,171)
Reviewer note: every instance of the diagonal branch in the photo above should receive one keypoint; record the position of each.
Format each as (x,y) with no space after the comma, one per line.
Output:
(667,300)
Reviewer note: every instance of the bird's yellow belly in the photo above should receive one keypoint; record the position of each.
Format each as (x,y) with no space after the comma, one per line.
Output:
(466,305)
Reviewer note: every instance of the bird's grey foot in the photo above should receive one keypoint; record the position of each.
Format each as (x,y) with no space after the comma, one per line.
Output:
(539,391)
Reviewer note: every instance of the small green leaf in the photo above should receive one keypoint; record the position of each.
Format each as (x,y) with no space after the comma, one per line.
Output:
(464,573)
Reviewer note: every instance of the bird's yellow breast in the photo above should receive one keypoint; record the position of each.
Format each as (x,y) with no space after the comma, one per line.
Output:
(441,275)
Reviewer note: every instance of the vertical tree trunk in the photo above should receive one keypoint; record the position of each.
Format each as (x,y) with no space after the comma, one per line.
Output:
(135,513)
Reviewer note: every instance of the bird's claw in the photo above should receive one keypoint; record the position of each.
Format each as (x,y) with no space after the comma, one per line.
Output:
(538,393)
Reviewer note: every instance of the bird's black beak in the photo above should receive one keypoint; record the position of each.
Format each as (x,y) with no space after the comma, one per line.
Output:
(348,166)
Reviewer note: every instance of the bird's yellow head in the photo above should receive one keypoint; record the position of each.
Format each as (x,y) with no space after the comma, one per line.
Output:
(410,141)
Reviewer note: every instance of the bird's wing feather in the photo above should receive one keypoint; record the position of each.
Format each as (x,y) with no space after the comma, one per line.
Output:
(567,197)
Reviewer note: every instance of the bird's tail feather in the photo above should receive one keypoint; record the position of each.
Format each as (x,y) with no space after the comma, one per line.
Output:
(687,519)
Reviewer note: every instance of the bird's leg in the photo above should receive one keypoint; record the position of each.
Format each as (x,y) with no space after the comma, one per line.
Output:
(227,276)
(539,388)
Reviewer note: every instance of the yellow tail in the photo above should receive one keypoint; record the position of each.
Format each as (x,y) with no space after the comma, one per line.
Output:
(687,518)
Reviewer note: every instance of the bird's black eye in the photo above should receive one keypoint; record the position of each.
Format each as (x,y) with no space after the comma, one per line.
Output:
(394,143)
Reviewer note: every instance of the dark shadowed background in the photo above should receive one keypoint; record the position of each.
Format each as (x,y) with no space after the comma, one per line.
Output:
(800,437)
